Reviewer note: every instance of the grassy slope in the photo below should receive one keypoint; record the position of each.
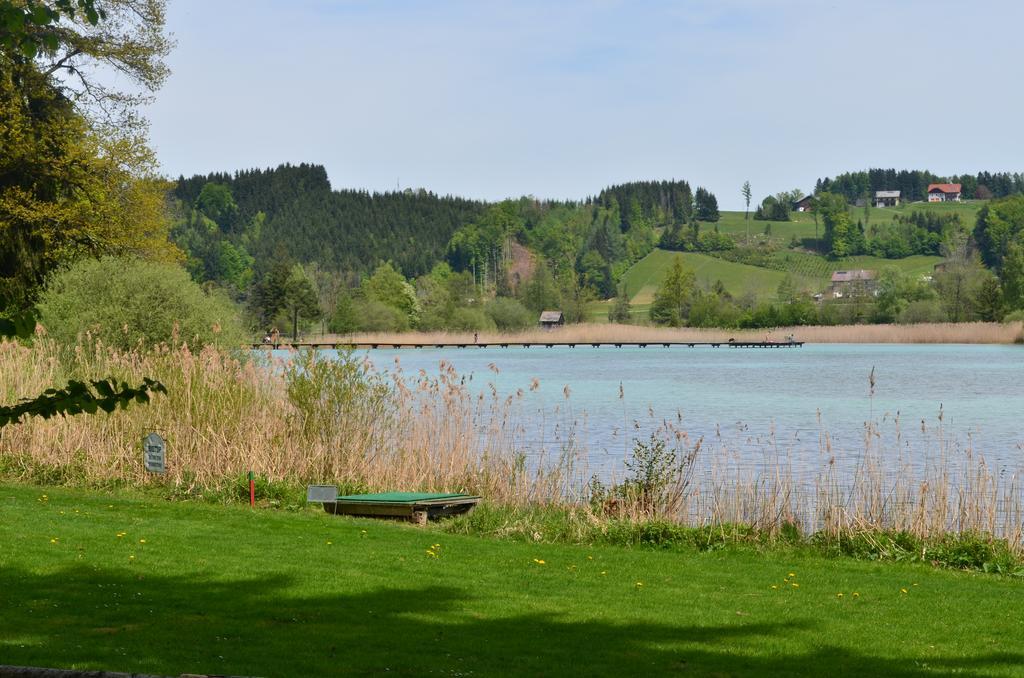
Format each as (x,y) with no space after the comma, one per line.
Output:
(801,224)
(201,588)
(643,279)
(811,272)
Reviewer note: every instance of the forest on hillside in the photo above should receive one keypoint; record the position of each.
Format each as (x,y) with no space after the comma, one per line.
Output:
(296,253)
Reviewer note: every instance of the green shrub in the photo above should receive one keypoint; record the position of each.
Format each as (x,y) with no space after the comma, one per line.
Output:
(923,311)
(376,316)
(509,314)
(127,302)
(470,319)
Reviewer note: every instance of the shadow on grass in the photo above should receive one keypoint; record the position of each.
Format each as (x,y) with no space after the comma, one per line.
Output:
(119,620)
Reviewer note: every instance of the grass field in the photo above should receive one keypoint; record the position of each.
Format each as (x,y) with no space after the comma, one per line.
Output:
(642,280)
(801,224)
(809,271)
(122,582)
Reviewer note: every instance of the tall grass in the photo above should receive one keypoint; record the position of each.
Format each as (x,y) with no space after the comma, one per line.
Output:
(925,333)
(310,419)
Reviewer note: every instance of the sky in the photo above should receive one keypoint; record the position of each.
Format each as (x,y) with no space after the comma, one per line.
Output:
(491,100)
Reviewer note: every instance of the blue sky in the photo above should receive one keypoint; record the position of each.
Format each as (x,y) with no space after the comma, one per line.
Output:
(559,99)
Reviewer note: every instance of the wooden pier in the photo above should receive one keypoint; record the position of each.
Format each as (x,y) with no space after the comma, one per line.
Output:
(287,345)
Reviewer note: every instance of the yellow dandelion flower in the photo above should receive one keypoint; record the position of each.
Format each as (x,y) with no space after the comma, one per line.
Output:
(856,595)
(604,573)
(795,585)
(785,581)
(142,541)
(774,587)
(639,584)
(131,557)
(791,575)
(903,590)
(839,595)
(62,513)
(329,543)
(914,584)
(53,541)
(539,562)
(590,557)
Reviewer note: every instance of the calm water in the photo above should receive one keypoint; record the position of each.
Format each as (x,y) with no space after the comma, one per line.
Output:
(755,401)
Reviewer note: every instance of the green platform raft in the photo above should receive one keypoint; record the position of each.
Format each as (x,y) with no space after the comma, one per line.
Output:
(416,507)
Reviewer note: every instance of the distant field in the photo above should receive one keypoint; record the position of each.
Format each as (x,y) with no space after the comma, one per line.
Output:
(811,272)
(801,224)
(819,269)
(643,279)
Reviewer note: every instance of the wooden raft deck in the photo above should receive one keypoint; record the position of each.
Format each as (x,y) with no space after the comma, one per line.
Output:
(417,507)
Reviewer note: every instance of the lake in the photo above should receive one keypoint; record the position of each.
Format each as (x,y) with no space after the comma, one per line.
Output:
(798,402)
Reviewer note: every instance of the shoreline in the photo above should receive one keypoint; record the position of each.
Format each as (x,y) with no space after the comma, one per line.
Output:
(925,333)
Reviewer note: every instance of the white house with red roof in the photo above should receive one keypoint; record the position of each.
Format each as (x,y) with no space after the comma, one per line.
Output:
(943,192)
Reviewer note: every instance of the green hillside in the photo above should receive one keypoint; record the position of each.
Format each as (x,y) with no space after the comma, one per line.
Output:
(643,279)
(802,226)
(810,272)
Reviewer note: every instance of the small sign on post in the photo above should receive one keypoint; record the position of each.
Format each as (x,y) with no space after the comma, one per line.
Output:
(154,453)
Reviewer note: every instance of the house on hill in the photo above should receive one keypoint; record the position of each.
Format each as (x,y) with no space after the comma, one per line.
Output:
(549,320)
(887,198)
(803,204)
(943,192)
(849,284)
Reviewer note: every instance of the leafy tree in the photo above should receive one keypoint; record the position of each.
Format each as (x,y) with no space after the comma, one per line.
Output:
(216,202)
(839,237)
(345,318)
(672,301)
(1000,224)
(960,282)
(70,184)
(390,287)
(597,274)
(1011,275)
(540,292)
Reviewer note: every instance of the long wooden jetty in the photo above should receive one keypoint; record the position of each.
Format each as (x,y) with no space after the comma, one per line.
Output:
(286,345)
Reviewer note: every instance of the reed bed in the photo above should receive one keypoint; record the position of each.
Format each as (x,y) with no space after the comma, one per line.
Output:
(925,333)
(309,419)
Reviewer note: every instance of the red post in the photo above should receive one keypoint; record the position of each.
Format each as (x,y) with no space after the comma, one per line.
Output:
(252,491)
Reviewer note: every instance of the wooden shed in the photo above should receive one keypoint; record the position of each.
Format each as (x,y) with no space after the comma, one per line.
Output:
(549,320)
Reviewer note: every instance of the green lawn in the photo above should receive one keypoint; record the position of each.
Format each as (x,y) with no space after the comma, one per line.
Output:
(126,583)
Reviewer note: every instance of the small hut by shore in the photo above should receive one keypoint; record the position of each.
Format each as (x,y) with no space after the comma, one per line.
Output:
(549,320)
